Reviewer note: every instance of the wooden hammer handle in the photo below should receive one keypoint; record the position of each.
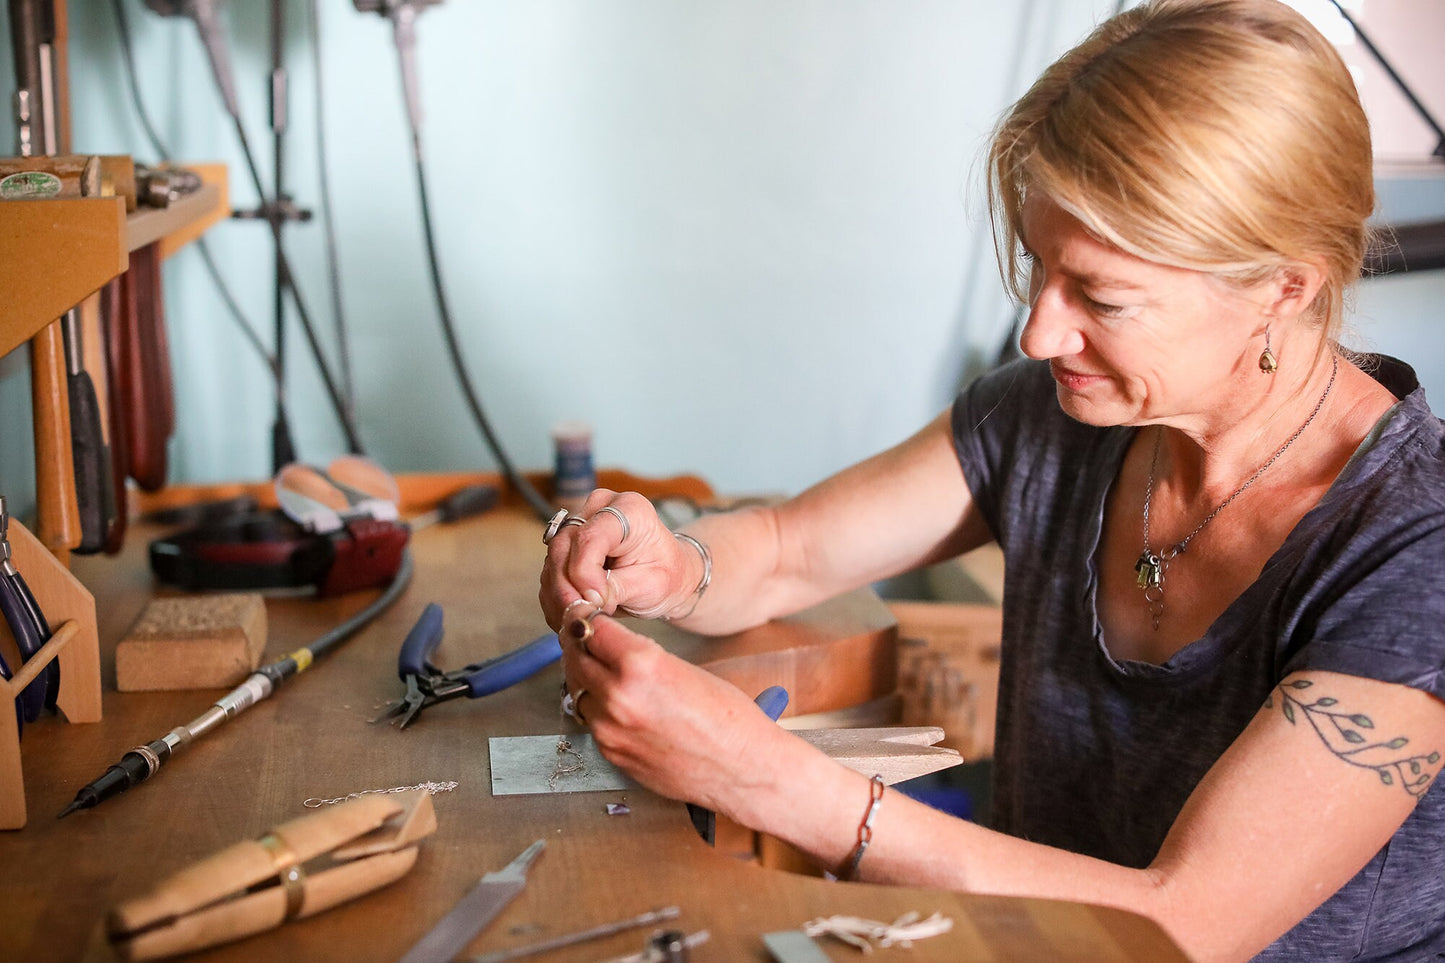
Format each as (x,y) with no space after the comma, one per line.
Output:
(58,525)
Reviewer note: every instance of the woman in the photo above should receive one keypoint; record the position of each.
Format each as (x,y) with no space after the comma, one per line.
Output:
(1224,625)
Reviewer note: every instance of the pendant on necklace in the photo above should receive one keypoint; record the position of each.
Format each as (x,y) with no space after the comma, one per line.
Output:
(1149,574)
(1149,570)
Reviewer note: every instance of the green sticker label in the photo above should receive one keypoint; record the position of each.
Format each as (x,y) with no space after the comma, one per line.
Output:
(27,185)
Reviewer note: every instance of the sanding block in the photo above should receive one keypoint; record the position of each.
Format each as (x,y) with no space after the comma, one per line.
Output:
(192,642)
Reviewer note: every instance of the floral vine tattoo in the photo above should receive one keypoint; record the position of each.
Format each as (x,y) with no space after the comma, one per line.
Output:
(1340,732)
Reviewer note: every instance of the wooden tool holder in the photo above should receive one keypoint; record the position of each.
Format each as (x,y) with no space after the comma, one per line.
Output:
(70,609)
(54,254)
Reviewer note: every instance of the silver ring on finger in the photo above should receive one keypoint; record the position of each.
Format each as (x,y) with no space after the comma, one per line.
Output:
(554,524)
(616,513)
(567,612)
(572,520)
(577,706)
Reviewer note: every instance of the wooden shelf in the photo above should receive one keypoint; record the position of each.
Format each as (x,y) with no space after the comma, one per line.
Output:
(150,224)
(186,218)
(54,254)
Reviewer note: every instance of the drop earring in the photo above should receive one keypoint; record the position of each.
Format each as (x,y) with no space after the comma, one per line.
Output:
(1267,361)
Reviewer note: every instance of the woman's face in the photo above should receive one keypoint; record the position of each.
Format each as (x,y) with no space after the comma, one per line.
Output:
(1131,342)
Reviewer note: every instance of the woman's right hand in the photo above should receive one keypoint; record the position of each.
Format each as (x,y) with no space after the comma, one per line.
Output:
(637,568)
(675,728)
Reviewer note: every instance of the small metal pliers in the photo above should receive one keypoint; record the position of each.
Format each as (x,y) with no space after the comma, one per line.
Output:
(30,629)
(427,685)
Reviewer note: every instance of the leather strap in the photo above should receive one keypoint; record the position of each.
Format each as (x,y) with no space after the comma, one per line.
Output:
(145,357)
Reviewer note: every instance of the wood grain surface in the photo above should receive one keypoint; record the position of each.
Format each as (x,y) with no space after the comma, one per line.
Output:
(312,739)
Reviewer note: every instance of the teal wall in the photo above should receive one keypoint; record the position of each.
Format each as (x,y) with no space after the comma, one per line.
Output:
(742,239)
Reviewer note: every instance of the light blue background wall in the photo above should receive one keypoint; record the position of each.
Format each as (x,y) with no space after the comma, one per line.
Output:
(742,239)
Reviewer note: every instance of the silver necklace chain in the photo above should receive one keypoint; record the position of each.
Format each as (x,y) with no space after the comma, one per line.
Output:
(430,787)
(1149,569)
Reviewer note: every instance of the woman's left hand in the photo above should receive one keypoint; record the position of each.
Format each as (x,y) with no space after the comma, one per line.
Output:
(616,553)
(677,729)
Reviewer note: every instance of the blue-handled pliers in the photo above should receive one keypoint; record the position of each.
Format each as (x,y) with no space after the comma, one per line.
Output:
(772,700)
(427,685)
(30,629)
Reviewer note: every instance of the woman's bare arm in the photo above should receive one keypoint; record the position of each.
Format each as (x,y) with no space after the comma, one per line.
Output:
(906,507)
(1286,816)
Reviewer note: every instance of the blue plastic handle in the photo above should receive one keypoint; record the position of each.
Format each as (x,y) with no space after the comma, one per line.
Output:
(509,669)
(420,643)
(773,700)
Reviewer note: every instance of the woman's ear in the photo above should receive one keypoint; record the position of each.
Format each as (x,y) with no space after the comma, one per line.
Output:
(1293,289)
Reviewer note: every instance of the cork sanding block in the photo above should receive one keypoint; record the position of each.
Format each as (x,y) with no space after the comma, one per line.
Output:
(192,642)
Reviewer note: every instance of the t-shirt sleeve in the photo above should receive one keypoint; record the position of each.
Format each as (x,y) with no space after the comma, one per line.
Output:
(987,421)
(1379,612)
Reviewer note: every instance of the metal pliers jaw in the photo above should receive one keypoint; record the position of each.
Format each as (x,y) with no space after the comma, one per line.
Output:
(427,685)
(406,707)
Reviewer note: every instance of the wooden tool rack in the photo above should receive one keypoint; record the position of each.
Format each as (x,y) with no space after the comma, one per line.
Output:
(54,254)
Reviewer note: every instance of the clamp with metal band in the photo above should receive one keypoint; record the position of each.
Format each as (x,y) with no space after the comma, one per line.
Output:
(288,871)
(350,848)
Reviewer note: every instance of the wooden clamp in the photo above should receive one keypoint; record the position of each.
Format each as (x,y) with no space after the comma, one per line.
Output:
(255,885)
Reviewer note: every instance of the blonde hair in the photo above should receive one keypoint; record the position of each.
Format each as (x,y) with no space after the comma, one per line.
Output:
(1223,136)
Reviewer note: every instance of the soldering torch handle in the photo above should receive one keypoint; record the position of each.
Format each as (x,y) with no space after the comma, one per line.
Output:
(256,686)
(131,770)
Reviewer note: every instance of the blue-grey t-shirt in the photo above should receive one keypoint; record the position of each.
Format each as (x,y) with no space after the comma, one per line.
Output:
(1098,756)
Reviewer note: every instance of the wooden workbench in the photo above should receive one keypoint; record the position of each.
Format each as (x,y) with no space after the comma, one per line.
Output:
(313,740)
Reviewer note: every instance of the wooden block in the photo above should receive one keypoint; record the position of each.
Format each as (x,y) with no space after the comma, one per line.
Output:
(897,753)
(948,671)
(192,642)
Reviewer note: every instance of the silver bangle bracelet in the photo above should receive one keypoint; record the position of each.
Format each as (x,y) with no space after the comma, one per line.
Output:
(703,582)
